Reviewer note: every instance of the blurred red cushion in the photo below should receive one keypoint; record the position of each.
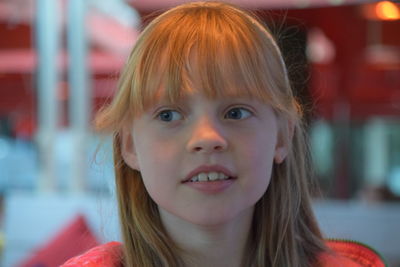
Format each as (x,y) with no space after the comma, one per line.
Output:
(72,240)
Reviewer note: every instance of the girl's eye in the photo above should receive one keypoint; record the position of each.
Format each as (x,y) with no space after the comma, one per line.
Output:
(238,114)
(169,115)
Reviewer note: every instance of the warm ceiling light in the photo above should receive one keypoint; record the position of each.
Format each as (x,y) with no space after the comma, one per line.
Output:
(384,10)
(387,10)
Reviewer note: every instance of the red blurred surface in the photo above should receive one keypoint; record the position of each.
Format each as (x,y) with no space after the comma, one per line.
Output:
(367,89)
(73,240)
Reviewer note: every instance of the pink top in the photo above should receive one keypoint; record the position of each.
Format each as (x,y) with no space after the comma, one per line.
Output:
(344,254)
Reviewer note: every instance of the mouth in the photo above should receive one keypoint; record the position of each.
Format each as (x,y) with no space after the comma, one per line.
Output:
(207,177)
(209,174)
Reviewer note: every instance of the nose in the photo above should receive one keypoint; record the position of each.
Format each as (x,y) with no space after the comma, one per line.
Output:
(207,137)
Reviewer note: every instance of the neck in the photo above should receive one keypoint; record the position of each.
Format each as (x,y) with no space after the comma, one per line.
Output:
(210,245)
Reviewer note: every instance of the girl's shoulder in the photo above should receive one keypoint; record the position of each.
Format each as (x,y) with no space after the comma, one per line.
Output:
(348,253)
(106,255)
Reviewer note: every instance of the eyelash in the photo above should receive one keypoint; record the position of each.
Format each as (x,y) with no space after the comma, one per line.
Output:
(160,113)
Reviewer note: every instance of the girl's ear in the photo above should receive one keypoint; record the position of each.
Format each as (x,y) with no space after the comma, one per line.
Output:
(285,136)
(128,149)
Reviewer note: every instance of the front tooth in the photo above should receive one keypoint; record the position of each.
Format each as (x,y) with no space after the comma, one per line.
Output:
(213,176)
(203,177)
(222,176)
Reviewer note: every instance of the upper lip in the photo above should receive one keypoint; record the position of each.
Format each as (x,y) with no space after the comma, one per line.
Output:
(208,168)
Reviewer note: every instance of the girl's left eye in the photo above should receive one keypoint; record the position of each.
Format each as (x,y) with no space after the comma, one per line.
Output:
(238,114)
(169,115)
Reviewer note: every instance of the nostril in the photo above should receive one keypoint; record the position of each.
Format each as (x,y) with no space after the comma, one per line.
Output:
(215,148)
(218,148)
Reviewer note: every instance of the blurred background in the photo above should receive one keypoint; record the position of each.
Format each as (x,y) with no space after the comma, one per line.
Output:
(59,63)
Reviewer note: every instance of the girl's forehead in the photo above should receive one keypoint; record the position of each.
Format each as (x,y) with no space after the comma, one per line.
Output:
(185,94)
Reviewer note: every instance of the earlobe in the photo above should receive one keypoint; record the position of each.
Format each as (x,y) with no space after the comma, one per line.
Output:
(285,137)
(128,149)
(280,154)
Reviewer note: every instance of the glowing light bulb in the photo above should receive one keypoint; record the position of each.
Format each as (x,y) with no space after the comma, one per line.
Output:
(387,10)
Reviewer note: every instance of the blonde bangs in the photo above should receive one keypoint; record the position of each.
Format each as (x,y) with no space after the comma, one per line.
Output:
(219,53)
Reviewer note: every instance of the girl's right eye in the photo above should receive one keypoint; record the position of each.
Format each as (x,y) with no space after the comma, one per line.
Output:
(169,115)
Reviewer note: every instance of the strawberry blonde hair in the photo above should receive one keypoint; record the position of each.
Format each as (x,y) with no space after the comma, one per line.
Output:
(232,54)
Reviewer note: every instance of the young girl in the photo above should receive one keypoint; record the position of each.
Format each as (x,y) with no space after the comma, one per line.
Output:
(210,159)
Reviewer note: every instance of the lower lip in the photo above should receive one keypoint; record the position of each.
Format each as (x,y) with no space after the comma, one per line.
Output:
(211,187)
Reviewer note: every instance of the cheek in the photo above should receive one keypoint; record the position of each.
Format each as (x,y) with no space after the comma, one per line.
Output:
(152,152)
(156,161)
(153,169)
(256,161)
(261,175)
(259,152)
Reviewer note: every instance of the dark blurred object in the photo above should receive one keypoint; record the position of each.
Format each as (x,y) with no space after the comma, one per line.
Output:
(71,241)
(5,126)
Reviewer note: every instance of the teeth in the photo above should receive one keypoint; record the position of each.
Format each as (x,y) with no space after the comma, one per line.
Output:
(203,177)
(195,179)
(222,176)
(212,176)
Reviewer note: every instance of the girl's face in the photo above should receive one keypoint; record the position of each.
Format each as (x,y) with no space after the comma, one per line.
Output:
(203,160)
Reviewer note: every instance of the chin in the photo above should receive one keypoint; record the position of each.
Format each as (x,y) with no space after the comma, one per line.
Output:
(209,219)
